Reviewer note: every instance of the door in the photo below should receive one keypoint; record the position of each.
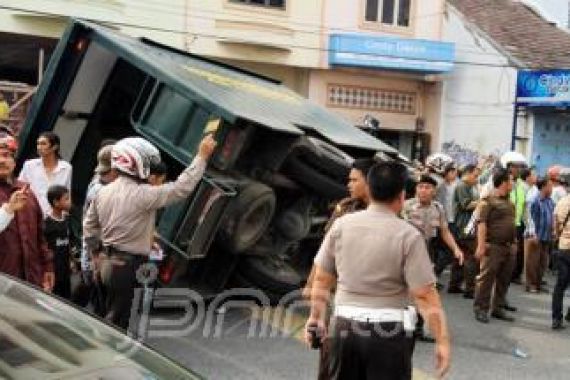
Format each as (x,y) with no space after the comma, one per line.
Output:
(551,141)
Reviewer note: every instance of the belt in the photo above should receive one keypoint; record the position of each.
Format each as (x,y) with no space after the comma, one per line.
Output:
(112,251)
(370,315)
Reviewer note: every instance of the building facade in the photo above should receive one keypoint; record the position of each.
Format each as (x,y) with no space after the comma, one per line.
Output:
(369,59)
(479,95)
(386,61)
(510,88)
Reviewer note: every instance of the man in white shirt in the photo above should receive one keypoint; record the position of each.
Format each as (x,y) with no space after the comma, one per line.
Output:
(46,171)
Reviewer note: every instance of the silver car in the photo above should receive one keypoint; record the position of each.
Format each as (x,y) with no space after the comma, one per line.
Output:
(43,337)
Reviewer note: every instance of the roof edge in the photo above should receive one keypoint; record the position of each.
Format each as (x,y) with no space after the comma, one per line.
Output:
(512,60)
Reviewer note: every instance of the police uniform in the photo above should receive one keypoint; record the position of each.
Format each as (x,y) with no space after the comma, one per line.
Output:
(345,206)
(375,272)
(499,260)
(122,217)
(429,219)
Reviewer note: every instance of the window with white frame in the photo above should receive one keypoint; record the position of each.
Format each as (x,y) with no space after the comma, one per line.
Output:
(274,4)
(388,12)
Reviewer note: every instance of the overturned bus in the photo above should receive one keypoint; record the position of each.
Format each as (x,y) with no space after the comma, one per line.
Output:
(257,217)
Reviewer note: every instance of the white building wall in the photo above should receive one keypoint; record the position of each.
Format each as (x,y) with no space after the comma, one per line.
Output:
(478,96)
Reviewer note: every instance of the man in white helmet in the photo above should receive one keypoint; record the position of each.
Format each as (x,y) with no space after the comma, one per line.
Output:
(121,219)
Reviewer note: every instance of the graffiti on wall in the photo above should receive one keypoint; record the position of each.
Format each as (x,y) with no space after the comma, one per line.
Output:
(463,155)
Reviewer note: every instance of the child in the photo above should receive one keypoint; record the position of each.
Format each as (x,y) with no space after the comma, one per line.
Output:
(57,234)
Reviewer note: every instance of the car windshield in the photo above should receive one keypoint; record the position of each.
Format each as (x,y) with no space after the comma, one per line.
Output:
(42,337)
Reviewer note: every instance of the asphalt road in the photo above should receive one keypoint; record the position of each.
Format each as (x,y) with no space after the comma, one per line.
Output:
(236,350)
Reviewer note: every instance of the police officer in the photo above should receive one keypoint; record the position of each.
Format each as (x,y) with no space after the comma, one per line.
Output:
(429,217)
(357,188)
(357,201)
(496,249)
(122,215)
(377,261)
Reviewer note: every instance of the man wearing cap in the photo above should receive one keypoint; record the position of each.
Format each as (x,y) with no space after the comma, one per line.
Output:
(23,250)
(104,175)
(428,216)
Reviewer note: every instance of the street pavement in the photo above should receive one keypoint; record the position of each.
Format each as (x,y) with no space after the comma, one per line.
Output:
(479,351)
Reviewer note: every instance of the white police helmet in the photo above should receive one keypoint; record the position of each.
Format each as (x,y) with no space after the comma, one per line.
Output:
(513,158)
(133,156)
(438,162)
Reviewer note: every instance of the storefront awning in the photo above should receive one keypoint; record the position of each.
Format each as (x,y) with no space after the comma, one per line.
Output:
(361,50)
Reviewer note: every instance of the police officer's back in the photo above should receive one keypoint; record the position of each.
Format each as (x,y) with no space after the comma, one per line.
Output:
(378,261)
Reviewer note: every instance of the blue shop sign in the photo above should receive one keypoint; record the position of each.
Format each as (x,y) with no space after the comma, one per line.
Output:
(391,53)
(543,88)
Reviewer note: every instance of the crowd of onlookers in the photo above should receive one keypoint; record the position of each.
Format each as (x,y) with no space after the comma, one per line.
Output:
(37,239)
(93,263)
(496,223)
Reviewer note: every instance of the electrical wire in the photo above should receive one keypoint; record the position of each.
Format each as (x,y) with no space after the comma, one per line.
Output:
(219,38)
(320,29)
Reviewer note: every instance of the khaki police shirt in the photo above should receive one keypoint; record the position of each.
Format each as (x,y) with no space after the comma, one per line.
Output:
(429,219)
(560,212)
(345,206)
(377,258)
(123,213)
(499,215)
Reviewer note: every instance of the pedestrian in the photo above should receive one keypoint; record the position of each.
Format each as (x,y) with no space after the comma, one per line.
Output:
(558,189)
(91,287)
(357,200)
(518,198)
(541,213)
(378,261)
(23,250)
(429,216)
(120,222)
(496,249)
(466,199)
(530,241)
(562,228)
(57,231)
(47,170)
(445,192)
